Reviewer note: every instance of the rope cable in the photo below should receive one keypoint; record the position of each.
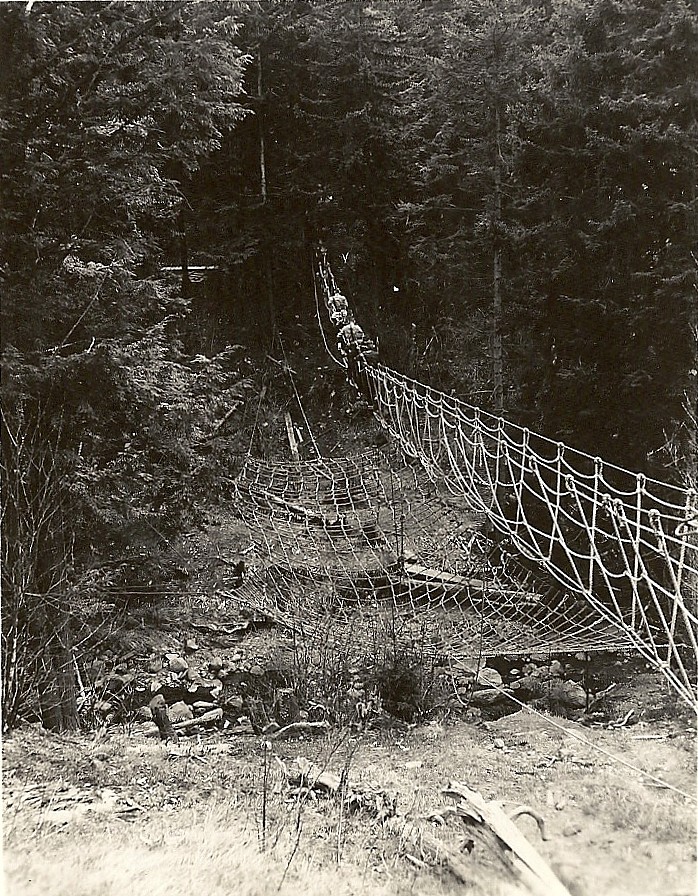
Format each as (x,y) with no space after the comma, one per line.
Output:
(620,537)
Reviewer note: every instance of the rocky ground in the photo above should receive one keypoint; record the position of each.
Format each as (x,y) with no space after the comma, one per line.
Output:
(290,765)
(238,672)
(224,810)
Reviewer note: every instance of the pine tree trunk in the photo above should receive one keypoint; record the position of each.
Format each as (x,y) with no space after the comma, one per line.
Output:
(269,280)
(56,684)
(260,127)
(184,259)
(497,362)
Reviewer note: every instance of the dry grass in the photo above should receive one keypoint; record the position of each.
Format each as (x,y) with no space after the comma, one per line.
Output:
(199,828)
(214,854)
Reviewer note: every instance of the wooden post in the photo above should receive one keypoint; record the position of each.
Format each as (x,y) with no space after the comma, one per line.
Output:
(158,708)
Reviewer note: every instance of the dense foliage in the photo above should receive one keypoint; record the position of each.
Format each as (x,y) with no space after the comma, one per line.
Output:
(106,108)
(506,189)
(491,177)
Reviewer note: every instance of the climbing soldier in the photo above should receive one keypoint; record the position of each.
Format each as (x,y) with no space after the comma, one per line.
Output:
(339,309)
(358,350)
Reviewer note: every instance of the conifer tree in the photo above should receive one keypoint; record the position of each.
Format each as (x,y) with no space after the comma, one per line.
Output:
(104,108)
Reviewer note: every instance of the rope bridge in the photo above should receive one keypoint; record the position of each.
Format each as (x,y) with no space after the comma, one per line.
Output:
(373,551)
(619,544)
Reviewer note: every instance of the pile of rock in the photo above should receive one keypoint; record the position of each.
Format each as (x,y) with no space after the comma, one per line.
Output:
(540,682)
(551,682)
(236,689)
(230,690)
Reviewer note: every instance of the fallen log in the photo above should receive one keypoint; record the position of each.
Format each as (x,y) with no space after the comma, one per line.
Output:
(211,716)
(451,580)
(295,509)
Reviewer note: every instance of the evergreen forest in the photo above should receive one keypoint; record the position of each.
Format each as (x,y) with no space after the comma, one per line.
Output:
(506,189)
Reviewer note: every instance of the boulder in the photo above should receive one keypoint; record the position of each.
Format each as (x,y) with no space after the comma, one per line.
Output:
(316,713)
(143,714)
(569,693)
(234,704)
(180,712)
(489,678)
(116,683)
(176,663)
(487,696)
(528,686)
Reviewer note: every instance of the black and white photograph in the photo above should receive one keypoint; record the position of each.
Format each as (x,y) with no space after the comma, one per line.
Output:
(349,447)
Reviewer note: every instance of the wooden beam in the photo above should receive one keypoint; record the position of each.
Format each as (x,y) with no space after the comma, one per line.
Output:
(452,580)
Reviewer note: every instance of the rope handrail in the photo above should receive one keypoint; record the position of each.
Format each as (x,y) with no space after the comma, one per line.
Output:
(627,543)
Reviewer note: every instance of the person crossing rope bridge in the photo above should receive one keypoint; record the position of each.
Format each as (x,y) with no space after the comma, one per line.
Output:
(626,543)
(358,351)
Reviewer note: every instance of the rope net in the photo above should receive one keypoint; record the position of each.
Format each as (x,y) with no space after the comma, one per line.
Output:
(374,551)
(622,548)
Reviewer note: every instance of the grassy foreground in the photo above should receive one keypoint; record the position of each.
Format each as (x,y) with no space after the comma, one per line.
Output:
(118,813)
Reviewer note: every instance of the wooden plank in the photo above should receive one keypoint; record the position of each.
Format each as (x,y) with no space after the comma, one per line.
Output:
(452,580)
(291,436)
(212,716)
(295,509)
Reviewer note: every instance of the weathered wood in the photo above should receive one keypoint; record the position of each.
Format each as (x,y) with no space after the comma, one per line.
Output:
(158,710)
(297,509)
(452,580)
(532,868)
(293,444)
(430,847)
(536,816)
(211,716)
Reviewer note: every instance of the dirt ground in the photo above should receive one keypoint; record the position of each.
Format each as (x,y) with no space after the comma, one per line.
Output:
(114,811)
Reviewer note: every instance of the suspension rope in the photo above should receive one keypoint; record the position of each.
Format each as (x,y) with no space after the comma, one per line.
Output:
(289,372)
(626,543)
